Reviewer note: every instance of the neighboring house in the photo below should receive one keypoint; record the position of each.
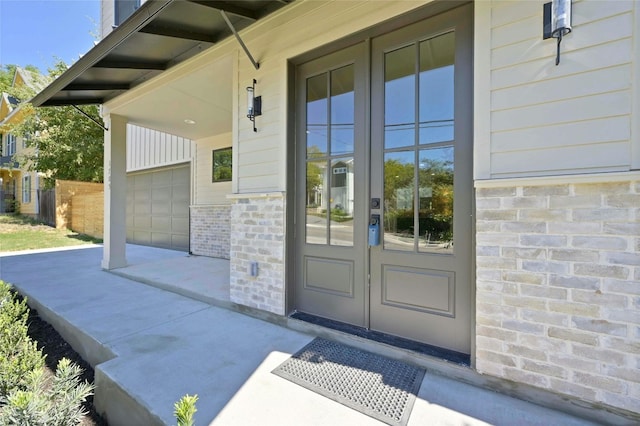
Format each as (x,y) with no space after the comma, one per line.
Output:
(18,187)
(507,188)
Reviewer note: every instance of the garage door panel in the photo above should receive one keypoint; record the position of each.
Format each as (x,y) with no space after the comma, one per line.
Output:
(141,208)
(158,208)
(180,242)
(180,210)
(141,195)
(161,239)
(161,208)
(160,194)
(180,193)
(161,178)
(141,181)
(181,175)
(141,222)
(179,223)
(142,237)
(160,224)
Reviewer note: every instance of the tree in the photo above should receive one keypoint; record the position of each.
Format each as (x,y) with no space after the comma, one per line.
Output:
(61,142)
(6,76)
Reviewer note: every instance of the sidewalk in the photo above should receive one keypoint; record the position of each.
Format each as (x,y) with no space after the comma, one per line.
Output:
(149,347)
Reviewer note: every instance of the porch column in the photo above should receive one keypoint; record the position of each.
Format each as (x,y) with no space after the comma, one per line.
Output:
(115,192)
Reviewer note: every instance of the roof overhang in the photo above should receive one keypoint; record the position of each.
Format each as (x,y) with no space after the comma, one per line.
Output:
(158,36)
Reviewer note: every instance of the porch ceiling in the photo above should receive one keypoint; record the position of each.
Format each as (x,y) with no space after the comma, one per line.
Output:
(158,36)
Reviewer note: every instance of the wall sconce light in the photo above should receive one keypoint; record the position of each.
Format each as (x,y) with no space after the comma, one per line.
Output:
(556,22)
(254,104)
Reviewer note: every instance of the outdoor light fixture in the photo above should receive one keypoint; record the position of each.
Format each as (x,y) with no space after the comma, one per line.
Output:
(254,104)
(557,22)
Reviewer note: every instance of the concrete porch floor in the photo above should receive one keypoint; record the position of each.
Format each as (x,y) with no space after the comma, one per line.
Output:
(152,344)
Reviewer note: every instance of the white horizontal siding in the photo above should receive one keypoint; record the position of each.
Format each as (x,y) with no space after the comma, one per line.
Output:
(207,192)
(562,160)
(563,111)
(584,84)
(604,130)
(571,118)
(148,148)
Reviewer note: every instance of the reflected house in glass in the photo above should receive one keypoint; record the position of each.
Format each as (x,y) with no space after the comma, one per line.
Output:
(342,186)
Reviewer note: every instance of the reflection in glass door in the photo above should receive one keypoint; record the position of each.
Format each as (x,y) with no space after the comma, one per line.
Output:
(330,249)
(330,162)
(421,166)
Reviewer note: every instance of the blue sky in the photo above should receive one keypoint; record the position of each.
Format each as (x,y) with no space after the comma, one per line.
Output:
(33,32)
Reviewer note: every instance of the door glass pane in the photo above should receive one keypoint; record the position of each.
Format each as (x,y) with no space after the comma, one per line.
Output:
(342,110)
(436,200)
(399,171)
(342,202)
(399,97)
(317,120)
(436,88)
(316,202)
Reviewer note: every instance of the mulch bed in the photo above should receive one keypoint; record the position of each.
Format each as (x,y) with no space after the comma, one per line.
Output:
(55,348)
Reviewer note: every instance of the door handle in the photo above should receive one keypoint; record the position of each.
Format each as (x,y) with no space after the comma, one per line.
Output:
(374,230)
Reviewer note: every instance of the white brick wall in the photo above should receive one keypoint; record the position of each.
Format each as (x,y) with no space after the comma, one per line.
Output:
(210,230)
(558,289)
(258,235)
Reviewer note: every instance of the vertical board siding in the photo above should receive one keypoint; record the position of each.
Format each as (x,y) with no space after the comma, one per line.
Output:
(147,148)
(207,192)
(106,17)
(539,111)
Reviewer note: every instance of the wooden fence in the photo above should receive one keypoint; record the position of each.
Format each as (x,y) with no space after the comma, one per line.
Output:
(47,202)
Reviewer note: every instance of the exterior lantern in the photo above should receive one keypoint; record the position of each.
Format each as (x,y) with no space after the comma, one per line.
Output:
(557,22)
(254,104)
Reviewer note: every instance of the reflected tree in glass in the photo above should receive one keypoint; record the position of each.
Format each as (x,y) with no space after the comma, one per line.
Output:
(435,193)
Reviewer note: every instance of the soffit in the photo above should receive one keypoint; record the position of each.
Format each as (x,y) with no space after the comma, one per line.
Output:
(158,36)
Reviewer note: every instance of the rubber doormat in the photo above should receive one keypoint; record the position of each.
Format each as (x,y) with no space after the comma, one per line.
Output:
(377,386)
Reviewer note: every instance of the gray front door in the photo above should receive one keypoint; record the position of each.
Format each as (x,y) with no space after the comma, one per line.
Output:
(386,131)
(331,193)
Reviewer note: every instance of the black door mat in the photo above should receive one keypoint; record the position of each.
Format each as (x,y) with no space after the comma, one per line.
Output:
(376,336)
(380,387)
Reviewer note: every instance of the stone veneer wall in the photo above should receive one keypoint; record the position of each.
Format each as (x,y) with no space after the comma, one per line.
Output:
(210,230)
(258,235)
(558,287)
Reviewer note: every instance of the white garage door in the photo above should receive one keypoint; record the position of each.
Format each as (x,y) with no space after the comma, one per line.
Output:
(158,208)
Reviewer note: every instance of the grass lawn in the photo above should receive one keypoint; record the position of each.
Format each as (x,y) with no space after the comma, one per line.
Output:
(21,233)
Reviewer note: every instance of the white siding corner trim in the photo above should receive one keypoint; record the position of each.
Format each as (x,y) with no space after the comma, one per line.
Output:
(635,107)
(482,91)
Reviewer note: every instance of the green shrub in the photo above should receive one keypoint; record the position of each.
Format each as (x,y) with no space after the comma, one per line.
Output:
(19,354)
(184,410)
(27,397)
(53,401)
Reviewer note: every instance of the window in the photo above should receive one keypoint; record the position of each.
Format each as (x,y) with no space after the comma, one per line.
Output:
(25,140)
(26,189)
(221,170)
(124,9)
(11,144)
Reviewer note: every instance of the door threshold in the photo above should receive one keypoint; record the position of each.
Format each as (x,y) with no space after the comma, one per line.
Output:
(388,339)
